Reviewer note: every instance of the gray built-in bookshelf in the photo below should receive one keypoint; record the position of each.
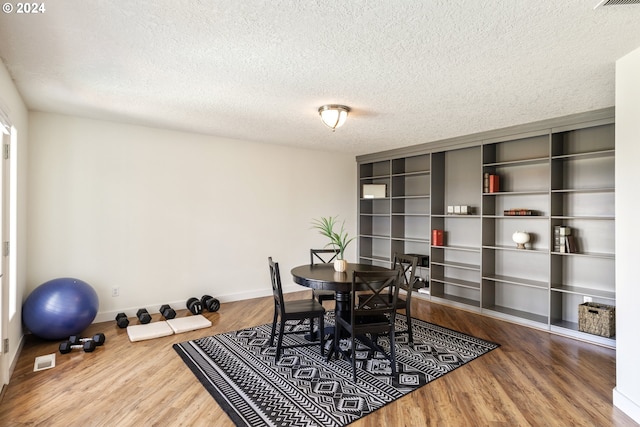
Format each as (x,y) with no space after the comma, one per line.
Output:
(552,174)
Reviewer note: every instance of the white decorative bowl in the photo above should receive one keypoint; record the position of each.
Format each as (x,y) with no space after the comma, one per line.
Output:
(521,237)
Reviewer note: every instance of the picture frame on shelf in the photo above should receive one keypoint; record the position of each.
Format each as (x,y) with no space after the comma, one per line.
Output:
(374,191)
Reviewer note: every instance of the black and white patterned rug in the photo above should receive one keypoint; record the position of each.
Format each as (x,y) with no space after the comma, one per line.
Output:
(239,371)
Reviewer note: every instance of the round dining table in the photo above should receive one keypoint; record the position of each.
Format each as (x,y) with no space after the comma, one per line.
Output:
(324,276)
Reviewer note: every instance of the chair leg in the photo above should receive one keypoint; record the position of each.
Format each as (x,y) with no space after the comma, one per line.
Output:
(335,346)
(273,327)
(392,345)
(336,341)
(321,327)
(409,325)
(353,356)
(280,335)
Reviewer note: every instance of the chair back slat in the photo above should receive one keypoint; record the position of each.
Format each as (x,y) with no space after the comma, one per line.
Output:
(375,286)
(276,284)
(323,256)
(408,264)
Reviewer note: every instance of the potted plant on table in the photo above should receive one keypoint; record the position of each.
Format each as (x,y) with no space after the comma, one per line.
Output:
(337,239)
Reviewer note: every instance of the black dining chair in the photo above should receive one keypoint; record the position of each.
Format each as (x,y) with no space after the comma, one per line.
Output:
(293,310)
(407,265)
(323,256)
(372,315)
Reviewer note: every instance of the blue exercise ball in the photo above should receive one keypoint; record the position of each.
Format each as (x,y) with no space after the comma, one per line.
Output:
(60,308)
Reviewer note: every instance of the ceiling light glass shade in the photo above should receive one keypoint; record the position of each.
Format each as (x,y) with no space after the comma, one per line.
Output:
(333,116)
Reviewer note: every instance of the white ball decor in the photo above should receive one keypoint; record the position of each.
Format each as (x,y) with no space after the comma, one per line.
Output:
(521,237)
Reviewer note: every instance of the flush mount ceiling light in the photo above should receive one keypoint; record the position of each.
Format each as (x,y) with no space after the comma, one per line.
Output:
(333,116)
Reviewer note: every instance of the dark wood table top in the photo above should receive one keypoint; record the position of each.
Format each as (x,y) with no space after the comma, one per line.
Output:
(324,276)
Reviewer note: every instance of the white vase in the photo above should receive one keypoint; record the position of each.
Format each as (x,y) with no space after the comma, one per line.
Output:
(521,237)
(340,265)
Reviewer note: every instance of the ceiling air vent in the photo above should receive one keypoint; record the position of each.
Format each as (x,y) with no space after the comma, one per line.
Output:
(616,2)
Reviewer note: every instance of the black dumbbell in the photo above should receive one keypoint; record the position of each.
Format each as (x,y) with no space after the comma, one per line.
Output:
(122,320)
(98,338)
(143,316)
(167,312)
(194,305)
(210,303)
(87,346)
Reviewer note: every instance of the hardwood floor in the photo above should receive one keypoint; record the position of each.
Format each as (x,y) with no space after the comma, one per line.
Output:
(533,379)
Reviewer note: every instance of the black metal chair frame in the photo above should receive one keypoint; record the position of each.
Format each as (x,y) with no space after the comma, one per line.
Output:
(371,316)
(293,310)
(322,256)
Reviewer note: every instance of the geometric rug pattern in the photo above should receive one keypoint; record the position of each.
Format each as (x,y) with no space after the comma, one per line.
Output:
(303,389)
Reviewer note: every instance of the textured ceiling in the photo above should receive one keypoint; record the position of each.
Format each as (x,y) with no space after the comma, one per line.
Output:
(412,71)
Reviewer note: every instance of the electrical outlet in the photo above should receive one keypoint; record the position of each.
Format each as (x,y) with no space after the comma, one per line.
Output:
(115,292)
(587,299)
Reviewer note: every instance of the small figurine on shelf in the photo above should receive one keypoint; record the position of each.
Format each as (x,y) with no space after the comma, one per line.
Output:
(521,237)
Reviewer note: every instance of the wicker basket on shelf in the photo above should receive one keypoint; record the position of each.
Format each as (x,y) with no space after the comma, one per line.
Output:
(597,319)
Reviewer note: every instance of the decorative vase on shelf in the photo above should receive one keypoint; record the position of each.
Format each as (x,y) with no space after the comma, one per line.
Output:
(521,237)
(340,265)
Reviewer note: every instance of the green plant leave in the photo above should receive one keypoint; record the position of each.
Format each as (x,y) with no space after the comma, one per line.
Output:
(338,240)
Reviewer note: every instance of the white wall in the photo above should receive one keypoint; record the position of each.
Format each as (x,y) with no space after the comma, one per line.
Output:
(626,395)
(167,215)
(11,101)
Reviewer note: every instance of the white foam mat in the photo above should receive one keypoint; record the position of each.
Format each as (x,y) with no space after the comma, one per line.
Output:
(189,323)
(149,331)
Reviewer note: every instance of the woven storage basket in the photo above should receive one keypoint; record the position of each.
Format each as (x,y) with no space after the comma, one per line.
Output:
(597,319)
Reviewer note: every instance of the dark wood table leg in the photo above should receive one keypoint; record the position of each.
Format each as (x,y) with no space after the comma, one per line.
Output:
(343,310)
(343,304)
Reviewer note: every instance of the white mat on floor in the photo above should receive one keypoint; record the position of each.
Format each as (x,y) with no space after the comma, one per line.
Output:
(189,323)
(167,327)
(149,331)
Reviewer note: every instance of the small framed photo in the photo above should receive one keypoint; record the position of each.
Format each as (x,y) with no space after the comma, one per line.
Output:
(374,191)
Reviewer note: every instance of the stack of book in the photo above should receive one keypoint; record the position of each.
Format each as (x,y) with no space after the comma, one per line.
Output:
(519,212)
(491,183)
(563,240)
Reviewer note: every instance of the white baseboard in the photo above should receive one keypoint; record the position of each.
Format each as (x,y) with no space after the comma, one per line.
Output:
(626,405)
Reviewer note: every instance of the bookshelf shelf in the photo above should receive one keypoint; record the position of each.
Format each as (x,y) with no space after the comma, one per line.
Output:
(517,281)
(610,256)
(454,264)
(521,162)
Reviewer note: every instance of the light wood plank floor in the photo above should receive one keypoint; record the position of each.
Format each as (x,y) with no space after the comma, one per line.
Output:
(533,379)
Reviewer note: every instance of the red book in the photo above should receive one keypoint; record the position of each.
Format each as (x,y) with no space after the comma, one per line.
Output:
(437,237)
(494,183)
